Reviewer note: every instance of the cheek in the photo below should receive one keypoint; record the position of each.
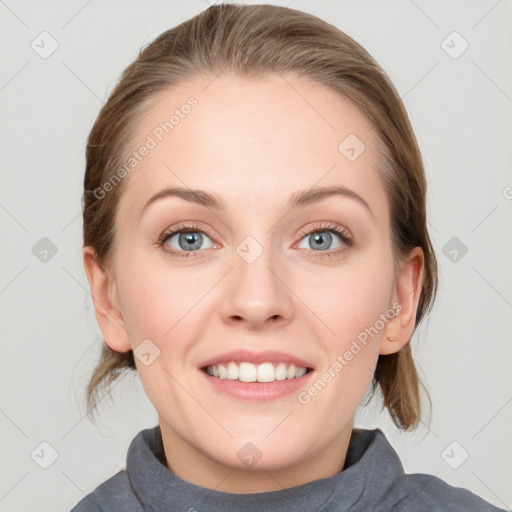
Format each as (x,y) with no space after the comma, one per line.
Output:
(350,303)
(152,300)
(161,302)
(354,303)
(351,298)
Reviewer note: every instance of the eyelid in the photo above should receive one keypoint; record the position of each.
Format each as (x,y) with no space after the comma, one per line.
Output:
(342,232)
(183,227)
(346,237)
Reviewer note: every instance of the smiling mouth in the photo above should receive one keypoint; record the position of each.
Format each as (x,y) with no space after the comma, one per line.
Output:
(249,372)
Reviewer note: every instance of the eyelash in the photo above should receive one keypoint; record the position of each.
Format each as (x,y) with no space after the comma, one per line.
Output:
(192,228)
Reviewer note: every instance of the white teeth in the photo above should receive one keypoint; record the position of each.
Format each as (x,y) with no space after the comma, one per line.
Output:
(232,371)
(266,372)
(281,371)
(248,372)
(291,371)
(301,372)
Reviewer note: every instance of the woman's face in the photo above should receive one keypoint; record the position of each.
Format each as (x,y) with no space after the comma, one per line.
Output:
(263,270)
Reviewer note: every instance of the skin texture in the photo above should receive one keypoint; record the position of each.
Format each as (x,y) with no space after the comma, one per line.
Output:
(254,142)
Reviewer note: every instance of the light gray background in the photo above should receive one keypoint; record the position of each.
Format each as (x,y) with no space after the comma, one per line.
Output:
(461,111)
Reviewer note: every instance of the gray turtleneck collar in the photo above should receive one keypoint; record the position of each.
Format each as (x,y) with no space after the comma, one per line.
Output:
(373,480)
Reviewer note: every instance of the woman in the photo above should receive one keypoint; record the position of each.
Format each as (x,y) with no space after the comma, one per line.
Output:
(256,244)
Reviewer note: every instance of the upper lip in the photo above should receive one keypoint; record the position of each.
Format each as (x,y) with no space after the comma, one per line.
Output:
(271,356)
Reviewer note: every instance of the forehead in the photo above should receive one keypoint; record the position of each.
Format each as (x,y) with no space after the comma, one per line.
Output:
(252,140)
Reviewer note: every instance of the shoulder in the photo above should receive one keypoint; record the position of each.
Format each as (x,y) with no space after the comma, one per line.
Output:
(114,494)
(394,490)
(428,493)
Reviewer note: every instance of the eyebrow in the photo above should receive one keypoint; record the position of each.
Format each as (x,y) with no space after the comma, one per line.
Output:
(298,199)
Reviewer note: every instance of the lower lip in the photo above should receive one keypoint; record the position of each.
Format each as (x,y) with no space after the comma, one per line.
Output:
(258,390)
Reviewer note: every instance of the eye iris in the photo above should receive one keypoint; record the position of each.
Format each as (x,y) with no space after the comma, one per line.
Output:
(320,237)
(194,238)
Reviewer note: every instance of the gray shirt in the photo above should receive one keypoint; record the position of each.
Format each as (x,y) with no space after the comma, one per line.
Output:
(373,480)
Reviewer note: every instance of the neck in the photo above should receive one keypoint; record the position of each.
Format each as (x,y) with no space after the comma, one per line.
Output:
(197,467)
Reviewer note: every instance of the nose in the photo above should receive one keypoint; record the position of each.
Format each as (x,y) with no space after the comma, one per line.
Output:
(257,293)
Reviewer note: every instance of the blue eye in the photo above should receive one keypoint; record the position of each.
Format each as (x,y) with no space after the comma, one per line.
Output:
(188,240)
(321,240)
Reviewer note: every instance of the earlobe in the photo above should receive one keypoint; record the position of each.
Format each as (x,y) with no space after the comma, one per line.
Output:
(398,330)
(392,338)
(106,307)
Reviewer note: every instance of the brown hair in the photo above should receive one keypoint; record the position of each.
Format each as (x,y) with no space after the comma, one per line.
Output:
(251,40)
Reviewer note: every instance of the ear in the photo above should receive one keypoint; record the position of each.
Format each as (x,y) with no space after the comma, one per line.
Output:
(398,331)
(106,303)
